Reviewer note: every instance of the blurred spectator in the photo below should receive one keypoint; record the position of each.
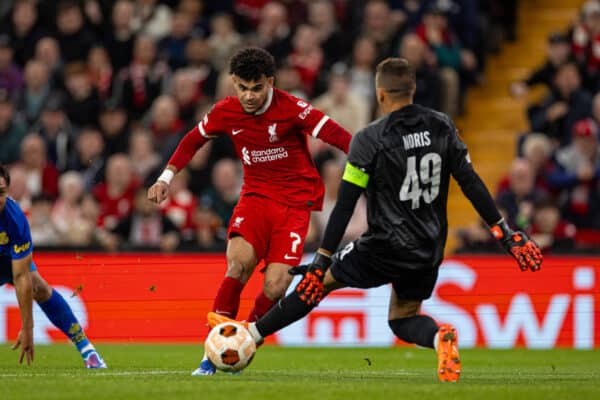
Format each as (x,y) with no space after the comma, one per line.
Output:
(141,152)
(18,189)
(56,129)
(334,43)
(429,88)
(186,93)
(145,227)
(181,205)
(11,76)
(88,157)
(362,80)
(120,35)
(82,102)
(196,10)
(24,30)
(558,51)
(47,51)
(100,72)
(66,213)
(537,149)
(224,40)
(208,227)
(36,91)
(273,32)
(521,194)
(225,192)
(557,114)
(74,37)
(12,130)
(577,174)
(549,230)
(164,120)
(306,56)
(346,108)
(331,173)
(41,225)
(116,194)
(143,80)
(586,38)
(288,78)
(114,126)
(90,212)
(42,175)
(379,26)
(200,67)
(173,45)
(152,19)
(457,64)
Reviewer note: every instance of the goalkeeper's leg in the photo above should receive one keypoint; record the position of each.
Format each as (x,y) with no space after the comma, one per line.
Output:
(288,310)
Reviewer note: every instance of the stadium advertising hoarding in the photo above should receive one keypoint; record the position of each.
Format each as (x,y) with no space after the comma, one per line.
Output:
(164,298)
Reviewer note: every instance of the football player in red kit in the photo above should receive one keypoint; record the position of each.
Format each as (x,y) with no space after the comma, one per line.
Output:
(269,130)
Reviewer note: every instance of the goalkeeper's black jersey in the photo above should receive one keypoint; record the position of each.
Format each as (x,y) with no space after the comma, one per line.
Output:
(409,156)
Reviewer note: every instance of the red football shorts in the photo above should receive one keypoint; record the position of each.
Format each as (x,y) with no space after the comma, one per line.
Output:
(275,230)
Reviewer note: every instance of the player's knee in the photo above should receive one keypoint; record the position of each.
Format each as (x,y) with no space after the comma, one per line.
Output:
(275,288)
(237,269)
(41,290)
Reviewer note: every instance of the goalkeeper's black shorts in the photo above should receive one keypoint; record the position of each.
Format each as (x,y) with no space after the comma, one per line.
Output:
(357,268)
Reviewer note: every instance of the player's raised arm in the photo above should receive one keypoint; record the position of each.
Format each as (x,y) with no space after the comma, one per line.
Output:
(524,250)
(184,152)
(24,291)
(316,124)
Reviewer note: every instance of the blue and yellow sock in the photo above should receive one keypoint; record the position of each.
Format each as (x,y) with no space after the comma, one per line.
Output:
(60,314)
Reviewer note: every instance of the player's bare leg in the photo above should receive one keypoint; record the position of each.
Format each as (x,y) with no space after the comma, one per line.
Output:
(408,325)
(241,262)
(276,282)
(60,314)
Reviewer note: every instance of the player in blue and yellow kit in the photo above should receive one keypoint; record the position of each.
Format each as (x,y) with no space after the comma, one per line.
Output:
(17,267)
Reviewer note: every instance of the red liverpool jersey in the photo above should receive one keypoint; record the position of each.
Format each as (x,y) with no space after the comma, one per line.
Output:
(272,145)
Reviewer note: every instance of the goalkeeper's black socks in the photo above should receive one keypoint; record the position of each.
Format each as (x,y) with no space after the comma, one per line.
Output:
(285,312)
(420,329)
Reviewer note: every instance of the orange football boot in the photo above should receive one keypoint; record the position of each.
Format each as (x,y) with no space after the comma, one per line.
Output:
(447,350)
(215,319)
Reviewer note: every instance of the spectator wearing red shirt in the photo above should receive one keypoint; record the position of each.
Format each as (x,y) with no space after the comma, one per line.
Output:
(307,56)
(577,173)
(549,230)
(42,175)
(117,192)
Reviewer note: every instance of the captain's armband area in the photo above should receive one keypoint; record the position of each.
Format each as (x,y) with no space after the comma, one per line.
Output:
(355,175)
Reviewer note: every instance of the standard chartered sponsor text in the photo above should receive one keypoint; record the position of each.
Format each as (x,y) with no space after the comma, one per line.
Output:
(273,154)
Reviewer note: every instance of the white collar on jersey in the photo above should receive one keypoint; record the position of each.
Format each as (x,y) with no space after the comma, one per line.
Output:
(265,106)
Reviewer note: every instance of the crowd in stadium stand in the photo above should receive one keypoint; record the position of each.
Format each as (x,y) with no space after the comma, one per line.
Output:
(95,95)
(552,189)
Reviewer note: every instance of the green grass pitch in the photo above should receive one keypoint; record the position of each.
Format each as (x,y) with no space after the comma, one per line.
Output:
(163,372)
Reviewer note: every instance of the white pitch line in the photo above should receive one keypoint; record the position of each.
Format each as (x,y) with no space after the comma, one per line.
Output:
(99,374)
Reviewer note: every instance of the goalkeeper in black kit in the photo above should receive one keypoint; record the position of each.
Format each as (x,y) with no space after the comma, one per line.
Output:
(403,163)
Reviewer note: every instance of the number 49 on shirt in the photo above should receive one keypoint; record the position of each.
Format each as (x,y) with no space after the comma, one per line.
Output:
(430,169)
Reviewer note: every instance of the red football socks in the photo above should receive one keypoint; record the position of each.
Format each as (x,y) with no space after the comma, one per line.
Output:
(227,301)
(262,304)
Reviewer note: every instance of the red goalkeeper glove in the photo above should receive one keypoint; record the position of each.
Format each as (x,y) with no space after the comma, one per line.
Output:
(310,288)
(523,249)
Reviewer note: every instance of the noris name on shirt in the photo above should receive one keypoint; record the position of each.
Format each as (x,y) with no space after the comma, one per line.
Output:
(417,139)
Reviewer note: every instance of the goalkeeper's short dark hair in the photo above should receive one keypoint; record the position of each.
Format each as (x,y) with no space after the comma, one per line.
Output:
(5,174)
(251,63)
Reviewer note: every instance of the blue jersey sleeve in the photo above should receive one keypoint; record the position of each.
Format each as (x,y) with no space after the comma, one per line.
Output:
(18,232)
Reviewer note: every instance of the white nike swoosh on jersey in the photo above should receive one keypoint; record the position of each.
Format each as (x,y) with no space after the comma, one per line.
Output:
(290,257)
(236,131)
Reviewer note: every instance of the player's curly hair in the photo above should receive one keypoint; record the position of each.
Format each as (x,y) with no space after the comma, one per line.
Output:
(251,63)
(5,174)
